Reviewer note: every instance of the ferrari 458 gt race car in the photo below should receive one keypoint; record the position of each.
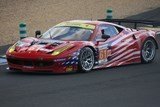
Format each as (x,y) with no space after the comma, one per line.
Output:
(81,45)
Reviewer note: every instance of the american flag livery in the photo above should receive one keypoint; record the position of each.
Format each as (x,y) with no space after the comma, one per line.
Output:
(82,46)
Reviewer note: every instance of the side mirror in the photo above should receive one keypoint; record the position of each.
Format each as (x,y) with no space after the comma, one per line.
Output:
(38,34)
(104,36)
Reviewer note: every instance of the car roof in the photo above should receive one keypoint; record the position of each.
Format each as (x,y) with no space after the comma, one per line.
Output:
(95,22)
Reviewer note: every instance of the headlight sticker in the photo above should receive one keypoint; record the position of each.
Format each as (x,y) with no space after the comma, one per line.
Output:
(12,48)
(60,50)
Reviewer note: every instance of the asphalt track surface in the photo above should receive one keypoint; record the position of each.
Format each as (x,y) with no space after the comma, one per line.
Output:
(127,86)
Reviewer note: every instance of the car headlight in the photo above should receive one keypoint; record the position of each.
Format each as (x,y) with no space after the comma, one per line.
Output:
(60,50)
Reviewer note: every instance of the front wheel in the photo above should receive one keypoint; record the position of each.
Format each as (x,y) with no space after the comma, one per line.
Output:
(86,60)
(148,51)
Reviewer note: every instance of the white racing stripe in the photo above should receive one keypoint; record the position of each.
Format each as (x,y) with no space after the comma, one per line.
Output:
(130,55)
(106,44)
(123,54)
(123,49)
(128,60)
(111,63)
(131,51)
(126,41)
(116,59)
(134,53)
(123,60)
(120,39)
(122,44)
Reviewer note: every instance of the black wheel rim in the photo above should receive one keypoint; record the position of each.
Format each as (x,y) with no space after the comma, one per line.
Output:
(87,60)
(148,51)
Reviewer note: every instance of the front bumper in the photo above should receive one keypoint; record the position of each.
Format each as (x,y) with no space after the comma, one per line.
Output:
(60,65)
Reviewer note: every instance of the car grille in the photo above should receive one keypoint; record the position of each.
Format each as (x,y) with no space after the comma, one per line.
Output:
(30,63)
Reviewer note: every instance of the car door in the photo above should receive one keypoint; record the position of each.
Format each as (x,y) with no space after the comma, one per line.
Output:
(128,50)
(120,46)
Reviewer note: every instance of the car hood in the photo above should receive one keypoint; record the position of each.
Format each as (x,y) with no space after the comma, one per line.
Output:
(31,44)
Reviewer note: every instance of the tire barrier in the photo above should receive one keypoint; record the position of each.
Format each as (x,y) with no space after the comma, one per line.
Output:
(109,14)
(22,30)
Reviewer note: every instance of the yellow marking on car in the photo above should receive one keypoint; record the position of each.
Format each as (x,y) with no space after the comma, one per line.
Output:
(69,68)
(77,24)
(12,48)
(60,50)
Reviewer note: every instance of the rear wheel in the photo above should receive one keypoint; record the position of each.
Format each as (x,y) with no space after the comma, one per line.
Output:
(86,60)
(148,51)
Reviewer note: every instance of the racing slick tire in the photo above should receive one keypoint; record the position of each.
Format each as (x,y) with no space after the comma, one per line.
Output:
(148,51)
(86,60)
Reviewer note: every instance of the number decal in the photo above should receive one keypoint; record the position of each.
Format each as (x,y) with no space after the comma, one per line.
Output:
(103,54)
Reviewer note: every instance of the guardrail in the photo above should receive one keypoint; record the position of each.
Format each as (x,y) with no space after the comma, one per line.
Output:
(132,21)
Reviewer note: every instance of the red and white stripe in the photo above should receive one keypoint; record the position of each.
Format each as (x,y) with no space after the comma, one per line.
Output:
(130,59)
(122,48)
(123,53)
(118,62)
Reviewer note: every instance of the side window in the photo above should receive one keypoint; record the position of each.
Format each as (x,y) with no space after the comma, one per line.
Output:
(99,35)
(109,30)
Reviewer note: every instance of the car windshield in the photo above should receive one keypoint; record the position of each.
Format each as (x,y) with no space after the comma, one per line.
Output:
(68,33)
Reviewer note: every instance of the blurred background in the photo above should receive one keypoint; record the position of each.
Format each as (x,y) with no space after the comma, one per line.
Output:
(43,14)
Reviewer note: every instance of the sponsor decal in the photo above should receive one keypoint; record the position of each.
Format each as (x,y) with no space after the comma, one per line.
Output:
(77,24)
(69,68)
(40,59)
(28,67)
(59,60)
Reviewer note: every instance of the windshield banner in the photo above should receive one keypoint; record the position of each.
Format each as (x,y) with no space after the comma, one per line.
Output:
(76,24)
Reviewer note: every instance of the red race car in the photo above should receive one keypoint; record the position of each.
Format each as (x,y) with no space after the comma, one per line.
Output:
(81,45)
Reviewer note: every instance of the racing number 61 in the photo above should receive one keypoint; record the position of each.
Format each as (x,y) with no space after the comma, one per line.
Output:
(103,54)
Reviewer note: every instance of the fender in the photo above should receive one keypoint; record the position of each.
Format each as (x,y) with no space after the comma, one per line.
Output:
(145,34)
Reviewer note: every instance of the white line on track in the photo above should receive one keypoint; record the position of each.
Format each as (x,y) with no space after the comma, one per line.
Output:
(3,64)
(3,61)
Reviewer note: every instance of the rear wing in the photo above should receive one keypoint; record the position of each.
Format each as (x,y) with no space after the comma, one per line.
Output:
(136,23)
